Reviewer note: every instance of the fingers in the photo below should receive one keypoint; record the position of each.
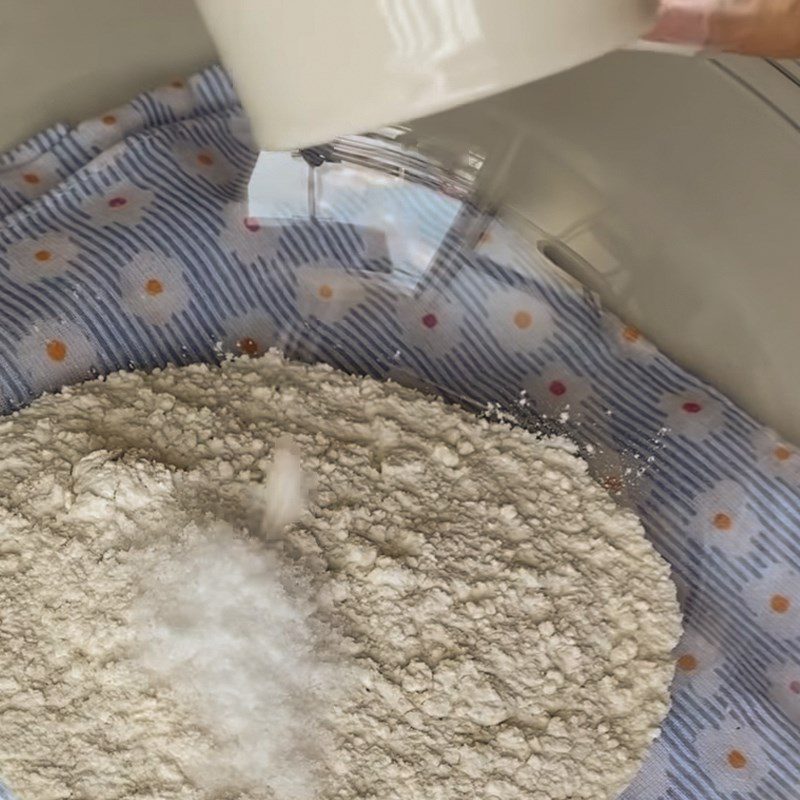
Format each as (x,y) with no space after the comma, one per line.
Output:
(684,22)
(769,28)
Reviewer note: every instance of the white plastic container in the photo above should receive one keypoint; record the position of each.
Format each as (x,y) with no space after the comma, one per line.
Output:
(310,70)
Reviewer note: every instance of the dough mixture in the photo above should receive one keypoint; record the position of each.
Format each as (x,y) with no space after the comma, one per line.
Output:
(274,580)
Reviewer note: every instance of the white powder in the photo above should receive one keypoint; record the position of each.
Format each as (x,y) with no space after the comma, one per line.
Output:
(459,612)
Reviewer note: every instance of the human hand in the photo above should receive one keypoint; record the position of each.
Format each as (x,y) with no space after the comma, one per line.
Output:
(768,28)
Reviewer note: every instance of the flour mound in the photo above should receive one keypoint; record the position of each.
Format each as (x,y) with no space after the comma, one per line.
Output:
(271,580)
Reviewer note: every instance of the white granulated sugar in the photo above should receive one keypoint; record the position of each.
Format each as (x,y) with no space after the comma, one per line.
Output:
(272,580)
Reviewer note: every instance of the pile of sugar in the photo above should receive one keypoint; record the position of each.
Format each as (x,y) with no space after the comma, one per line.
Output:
(459,611)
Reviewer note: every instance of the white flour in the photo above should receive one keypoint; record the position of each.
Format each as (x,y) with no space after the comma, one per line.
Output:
(460,611)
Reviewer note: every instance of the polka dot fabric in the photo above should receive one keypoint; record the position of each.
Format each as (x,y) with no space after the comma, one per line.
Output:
(125,243)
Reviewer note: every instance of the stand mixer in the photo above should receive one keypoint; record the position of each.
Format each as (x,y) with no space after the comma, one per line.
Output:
(639,175)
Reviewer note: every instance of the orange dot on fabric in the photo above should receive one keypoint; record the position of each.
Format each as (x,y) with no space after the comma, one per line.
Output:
(42,255)
(205,159)
(108,119)
(687,663)
(31,177)
(780,604)
(783,453)
(56,350)
(248,346)
(722,522)
(737,759)
(154,287)
(631,334)
(325,292)
(523,320)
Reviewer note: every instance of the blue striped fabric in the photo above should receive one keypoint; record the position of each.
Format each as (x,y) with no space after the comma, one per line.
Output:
(125,243)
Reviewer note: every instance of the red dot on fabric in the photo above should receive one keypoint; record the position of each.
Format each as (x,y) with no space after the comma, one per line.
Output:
(430,321)
(205,159)
(692,408)
(794,687)
(557,388)
(117,202)
(31,177)
(252,224)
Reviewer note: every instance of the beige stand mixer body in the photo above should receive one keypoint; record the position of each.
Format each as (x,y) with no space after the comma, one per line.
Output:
(671,183)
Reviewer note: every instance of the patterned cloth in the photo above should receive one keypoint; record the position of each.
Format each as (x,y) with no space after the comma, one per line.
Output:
(125,244)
